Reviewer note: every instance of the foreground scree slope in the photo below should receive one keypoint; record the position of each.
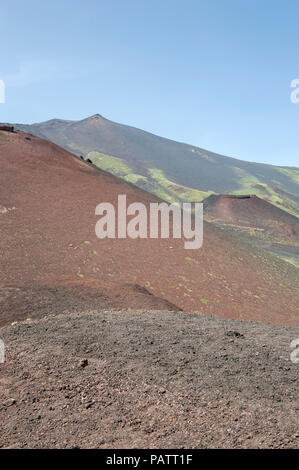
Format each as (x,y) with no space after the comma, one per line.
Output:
(148,380)
(49,250)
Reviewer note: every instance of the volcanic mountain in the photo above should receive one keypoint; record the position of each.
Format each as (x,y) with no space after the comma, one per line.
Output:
(246,209)
(288,232)
(259,222)
(51,259)
(113,363)
(172,170)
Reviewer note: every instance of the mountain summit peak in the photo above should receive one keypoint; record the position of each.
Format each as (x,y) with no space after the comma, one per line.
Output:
(96,116)
(94,119)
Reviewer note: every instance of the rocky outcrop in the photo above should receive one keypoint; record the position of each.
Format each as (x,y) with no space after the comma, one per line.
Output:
(6,127)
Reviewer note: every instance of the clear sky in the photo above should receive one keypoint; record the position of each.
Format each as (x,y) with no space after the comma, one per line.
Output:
(212,73)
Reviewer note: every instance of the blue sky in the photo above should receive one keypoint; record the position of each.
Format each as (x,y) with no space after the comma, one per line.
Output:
(212,73)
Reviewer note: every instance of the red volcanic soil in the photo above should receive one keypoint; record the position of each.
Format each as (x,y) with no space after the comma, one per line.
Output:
(47,222)
(248,209)
(31,300)
(287,232)
(147,380)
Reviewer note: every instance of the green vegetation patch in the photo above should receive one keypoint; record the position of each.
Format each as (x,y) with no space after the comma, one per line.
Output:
(292,174)
(249,184)
(174,192)
(134,178)
(114,165)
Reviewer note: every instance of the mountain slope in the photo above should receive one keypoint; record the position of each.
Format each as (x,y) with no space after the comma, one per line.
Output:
(246,209)
(173,170)
(260,223)
(48,240)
